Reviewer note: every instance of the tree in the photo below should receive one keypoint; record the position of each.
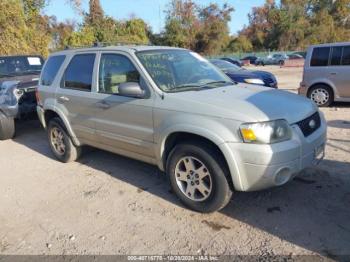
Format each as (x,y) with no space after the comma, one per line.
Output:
(240,44)
(214,33)
(203,29)
(96,13)
(13,36)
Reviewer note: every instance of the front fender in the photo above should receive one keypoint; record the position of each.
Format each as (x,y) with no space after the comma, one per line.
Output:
(210,128)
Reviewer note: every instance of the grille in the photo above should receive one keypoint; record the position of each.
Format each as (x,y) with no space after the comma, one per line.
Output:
(306,127)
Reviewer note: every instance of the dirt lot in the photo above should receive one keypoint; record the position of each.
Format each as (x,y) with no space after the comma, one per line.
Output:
(107,204)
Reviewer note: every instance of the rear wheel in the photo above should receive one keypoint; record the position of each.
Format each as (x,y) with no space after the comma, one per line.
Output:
(60,142)
(199,177)
(7,127)
(322,95)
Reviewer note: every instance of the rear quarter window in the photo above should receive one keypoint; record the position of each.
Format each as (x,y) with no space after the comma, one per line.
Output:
(51,68)
(320,56)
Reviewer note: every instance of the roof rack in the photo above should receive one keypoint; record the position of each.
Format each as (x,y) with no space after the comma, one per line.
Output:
(105,44)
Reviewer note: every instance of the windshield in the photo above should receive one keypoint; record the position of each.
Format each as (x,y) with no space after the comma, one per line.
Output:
(224,65)
(20,65)
(181,70)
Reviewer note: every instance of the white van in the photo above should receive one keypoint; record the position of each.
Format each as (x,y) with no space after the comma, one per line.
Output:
(327,74)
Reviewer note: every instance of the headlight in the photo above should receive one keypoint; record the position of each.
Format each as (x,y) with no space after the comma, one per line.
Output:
(266,132)
(254,81)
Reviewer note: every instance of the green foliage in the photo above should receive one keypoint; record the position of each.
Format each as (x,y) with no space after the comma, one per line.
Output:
(240,44)
(13,29)
(296,24)
(290,24)
(203,29)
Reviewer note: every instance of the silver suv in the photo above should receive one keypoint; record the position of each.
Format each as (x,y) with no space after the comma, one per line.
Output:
(327,74)
(172,108)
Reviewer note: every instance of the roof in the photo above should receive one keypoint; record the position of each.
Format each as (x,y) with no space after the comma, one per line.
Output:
(331,44)
(126,48)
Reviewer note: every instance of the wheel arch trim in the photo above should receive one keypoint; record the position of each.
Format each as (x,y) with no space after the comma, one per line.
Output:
(65,122)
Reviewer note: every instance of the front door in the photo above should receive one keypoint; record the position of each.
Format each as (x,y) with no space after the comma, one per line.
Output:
(124,123)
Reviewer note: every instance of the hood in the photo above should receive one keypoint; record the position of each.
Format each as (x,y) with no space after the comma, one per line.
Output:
(24,80)
(246,103)
(241,74)
(263,74)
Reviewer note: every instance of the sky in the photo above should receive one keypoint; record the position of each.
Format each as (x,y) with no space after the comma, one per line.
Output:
(152,11)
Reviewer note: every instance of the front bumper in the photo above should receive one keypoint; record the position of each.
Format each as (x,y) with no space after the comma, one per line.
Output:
(255,167)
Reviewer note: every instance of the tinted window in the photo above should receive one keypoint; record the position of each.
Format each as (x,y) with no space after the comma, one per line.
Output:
(51,68)
(320,56)
(115,70)
(336,55)
(79,72)
(346,56)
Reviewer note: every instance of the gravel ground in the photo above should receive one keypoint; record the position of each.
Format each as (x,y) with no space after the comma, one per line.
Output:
(108,204)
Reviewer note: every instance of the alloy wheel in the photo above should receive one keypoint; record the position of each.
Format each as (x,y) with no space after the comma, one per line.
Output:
(57,141)
(193,178)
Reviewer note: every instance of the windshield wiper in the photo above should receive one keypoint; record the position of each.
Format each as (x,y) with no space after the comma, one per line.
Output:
(197,87)
(218,82)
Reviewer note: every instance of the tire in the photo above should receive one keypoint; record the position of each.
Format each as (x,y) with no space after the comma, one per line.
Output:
(214,185)
(61,143)
(7,127)
(321,95)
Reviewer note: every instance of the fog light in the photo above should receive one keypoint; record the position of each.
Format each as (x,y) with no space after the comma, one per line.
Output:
(282,176)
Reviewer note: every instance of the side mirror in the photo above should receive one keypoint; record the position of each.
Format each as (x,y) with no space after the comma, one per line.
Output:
(131,89)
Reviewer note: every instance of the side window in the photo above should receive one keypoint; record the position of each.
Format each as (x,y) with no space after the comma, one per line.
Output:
(346,56)
(115,70)
(79,72)
(336,55)
(51,68)
(320,56)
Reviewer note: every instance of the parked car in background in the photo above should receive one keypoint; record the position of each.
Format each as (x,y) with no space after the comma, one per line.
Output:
(233,61)
(295,57)
(301,53)
(326,75)
(19,77)
(242,75)
(275,59)
(251,59)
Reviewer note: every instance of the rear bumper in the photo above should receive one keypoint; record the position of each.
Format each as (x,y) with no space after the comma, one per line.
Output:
(255,167)
(41,115)
(302,90)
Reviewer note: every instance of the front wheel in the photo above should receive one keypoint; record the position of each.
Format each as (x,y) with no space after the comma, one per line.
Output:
(7,127)
(322,95)
(60,142)
(199,177)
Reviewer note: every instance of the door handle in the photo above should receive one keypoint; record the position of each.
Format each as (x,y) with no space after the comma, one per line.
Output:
(103,105)
(63,99)
(333,73)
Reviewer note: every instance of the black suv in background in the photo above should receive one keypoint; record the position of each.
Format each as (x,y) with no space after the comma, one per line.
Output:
(19,76)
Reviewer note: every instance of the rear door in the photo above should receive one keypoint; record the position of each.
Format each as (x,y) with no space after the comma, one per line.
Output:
(74,96)
(339,70)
